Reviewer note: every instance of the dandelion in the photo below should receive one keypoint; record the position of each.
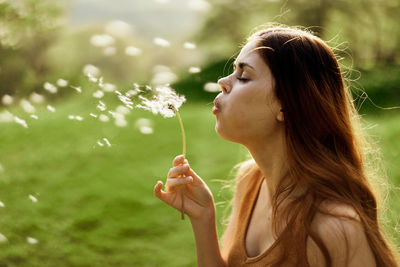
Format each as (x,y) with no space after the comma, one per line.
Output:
(62,82)
(161,42)
(212,87)
(194,69)
(33,116)
(34,199)
(107,142)
(21,122)
(166,102)
(50,87)
(3,238)
(32,240)
(189,45)
(7,100)
(51,108)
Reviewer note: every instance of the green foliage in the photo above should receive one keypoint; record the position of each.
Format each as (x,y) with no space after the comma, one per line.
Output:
(95,204)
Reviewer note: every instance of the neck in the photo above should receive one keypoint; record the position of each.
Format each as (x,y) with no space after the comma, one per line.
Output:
(271,158)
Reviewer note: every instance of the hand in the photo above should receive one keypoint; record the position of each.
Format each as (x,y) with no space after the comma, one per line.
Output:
(198,199)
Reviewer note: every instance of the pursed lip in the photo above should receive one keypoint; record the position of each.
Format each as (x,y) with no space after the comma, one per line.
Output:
(216,107)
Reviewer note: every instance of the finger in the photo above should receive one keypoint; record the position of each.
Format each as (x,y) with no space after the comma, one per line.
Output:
(179,160)
(157,190)
(178,171)
(174,182)
(196,178)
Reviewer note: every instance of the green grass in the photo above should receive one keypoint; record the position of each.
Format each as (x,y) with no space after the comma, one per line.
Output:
(95,204)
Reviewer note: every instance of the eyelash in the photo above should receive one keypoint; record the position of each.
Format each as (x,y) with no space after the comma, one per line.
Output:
(242,79)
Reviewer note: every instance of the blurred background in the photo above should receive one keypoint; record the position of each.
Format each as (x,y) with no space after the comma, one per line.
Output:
(78,163)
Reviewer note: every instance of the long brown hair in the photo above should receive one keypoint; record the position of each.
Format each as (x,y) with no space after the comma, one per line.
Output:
(324,153)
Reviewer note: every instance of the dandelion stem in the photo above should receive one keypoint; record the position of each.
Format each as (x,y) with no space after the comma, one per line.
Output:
(184,156)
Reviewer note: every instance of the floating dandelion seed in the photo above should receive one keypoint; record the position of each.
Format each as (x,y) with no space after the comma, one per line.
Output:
(50,87)
(51,108)
(32,240)
(108,87)
(133,51)
(92,78)
(104,118)
(118,28)
(62,82)
(212,87)
(71,117)
(3,238)
(98,94)
(1,168)
(189,45)
(2,204)
(194,69)
(166,102)
(21,122)
(102,40)
(27,106)
(107,142)
(100,143)
(109,51)
(78,118)
(122,110)
(93,115)
(6,116)
(91,69)
(33,116)
(7,100)
(101,106)
(36,98)
(161,42)
(78,89)
(34,199)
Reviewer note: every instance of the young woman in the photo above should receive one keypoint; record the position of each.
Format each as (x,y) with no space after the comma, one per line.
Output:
(304,198)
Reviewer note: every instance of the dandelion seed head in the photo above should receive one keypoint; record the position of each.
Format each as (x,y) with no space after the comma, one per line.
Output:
(133,51)
(161,42)
(98,94)
(36,98)
(34,199)
(102,40)
(104,118)
(194,69)
(50,87)
(3,239)
(109,51)
(33,116)
(62,82)
(27,106)
(7,100)
(31,240)
(51,108)
(189,45)
(212,87)
(107,142)
(21,122)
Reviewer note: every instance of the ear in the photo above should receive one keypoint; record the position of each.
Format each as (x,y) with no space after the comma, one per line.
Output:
(280,116)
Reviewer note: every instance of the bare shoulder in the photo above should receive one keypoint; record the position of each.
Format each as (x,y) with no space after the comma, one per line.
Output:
(339,228)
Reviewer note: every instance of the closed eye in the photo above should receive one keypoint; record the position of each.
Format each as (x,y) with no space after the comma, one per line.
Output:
(242,79)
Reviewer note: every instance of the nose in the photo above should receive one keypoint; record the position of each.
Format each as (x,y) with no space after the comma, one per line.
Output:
(224,84)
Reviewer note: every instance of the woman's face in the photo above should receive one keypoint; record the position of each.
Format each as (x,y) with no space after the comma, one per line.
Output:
(247,110)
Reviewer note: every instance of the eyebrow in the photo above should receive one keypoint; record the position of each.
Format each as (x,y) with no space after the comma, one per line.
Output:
(243,64)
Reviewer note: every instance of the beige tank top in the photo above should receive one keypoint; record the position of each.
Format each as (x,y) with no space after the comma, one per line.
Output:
(237,255)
